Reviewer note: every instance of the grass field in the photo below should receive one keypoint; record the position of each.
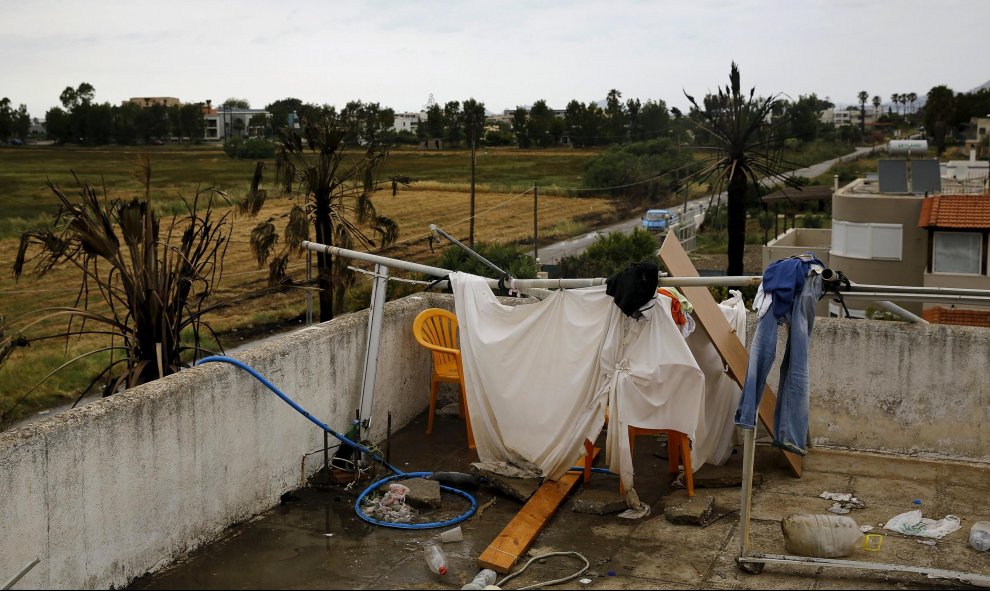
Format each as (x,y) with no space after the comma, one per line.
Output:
(439,196)
(179,169)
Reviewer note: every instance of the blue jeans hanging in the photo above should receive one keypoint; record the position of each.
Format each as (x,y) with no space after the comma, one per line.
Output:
(790,419)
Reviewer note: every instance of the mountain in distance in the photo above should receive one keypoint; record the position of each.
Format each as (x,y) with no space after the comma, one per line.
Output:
(981,87)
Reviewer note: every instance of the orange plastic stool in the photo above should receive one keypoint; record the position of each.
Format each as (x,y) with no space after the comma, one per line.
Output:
(678,452)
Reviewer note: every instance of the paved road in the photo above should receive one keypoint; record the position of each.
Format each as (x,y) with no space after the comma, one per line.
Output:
(553,253)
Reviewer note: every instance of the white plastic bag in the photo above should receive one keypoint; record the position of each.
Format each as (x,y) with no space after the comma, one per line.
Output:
(913,524)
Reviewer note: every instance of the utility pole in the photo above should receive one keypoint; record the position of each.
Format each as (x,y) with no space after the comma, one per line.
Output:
(536,227)
(473,161)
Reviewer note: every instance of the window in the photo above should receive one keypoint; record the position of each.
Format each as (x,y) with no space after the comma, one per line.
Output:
(957,252)
(867,241)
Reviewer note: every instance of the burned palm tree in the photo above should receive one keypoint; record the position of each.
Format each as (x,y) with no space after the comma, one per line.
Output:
(142,285)
(746,146)
(336,182)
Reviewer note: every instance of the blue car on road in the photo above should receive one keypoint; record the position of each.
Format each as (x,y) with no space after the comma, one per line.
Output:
(658,220)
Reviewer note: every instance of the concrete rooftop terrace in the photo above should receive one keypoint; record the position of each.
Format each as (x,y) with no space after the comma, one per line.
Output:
(289,546)
(128,485)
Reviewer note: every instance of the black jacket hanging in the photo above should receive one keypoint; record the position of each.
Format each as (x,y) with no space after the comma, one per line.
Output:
(633,287)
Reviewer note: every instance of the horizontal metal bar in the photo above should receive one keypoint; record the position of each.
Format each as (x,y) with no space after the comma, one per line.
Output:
(918,297)
(971,578)
(858,287)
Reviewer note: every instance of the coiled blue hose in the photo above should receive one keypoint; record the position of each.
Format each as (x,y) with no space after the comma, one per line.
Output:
(398,473)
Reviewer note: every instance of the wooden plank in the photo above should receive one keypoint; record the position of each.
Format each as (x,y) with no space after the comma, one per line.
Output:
(722,335)
(520,533)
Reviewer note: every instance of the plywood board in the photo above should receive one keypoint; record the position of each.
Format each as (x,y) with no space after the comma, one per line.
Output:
(520,533)
(722,335)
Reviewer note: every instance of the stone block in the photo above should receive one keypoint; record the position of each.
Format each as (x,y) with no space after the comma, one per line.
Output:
(599,502)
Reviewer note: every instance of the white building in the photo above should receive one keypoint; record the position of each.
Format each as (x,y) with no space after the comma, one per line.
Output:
(408,121)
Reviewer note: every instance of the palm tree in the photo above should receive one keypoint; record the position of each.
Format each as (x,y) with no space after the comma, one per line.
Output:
(895,98)
(747,148)
(142,285)
(863,97)
(877,101)
(911,97)
(336,182)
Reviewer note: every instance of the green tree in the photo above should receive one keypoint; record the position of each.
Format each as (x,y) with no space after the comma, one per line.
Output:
(615,117)
(336,181)
(57,125)
(237,103)
(520,127)
(938,110)
(282,109)
(863,97)
(654,120)
(746,147)
(434,122)
(453,124)
(474,120)
(542,126)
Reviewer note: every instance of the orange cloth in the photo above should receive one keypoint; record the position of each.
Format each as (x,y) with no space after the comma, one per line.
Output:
(675,307)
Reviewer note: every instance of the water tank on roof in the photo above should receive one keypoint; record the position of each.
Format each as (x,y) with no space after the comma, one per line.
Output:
(907,147)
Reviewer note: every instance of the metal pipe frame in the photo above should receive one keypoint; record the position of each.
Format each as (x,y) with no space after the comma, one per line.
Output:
(964,577)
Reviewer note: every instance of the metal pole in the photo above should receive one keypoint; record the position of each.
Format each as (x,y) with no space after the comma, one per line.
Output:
(935,573)
(309,293)
(895,309)
(379,287)
(21,574)
(536,227)
(473,253)
(746,503)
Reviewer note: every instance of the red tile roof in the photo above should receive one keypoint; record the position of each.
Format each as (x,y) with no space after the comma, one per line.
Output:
(940,315)
(955,211)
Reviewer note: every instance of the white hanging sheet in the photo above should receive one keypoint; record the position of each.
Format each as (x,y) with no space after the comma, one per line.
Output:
(539,376)
(652,380)
(531,373)
(716,434)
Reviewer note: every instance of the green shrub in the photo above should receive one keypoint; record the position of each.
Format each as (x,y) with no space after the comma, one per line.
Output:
(610,254)
(812,220)
(508,257)
(252,148)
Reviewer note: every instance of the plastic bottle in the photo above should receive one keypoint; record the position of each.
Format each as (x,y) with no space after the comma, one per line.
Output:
(435,558)
(979,536)
(482,580)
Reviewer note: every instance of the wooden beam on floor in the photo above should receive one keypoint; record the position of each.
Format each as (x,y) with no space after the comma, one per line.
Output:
(713,322)
(520,533)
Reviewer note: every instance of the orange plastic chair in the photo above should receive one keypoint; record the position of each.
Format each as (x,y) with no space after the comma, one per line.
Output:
(678,448)
(436,329)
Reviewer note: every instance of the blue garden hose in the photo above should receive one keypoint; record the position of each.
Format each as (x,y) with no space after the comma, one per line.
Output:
(398,473)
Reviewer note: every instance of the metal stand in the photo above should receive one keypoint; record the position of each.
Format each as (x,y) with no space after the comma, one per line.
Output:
(379,288)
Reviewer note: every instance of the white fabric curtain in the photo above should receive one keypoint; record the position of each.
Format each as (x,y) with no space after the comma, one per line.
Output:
(716,434)
(539,376)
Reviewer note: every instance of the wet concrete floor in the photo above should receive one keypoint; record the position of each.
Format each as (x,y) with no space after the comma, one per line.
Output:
(314,539)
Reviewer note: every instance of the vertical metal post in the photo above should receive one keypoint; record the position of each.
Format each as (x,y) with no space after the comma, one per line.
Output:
(536,227)
(473,161)
(309,293)
(749,456)
(375,314)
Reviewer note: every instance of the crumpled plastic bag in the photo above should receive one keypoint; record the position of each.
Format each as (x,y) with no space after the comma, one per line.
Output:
(392,505)
(913,524)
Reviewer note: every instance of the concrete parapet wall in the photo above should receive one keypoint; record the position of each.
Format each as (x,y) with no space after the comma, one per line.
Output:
(105,493)
(897,387)
(126,485)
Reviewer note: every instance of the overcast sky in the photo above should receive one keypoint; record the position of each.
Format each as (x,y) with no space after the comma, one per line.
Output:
(503,53)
